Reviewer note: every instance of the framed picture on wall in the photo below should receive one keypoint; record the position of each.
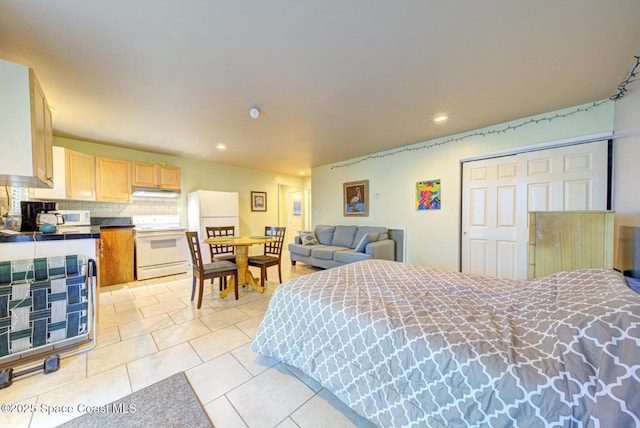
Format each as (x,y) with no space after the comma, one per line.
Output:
(258,201)
(428,195)
(356,198)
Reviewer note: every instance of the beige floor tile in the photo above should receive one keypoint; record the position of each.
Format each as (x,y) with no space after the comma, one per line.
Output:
(251,361)
(161,365)
(318,413)
(288,423)
(115,319)
(218,342)
(171,336)
(222,414)
(71,401)
(105,309)
(117,354)
(146,325)
(290,393)
(140,292)
(20,414)
(191,313)
(107,336)
(216,377)
(72,369)
(174,295)
(250,326)
(161,308)
(110,298)
(128,305)
(256,308)
(224,318)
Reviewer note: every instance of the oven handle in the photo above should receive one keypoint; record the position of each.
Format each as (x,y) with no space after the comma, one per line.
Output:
(155,235)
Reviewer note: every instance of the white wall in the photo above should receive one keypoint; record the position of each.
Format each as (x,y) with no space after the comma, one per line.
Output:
(433,236)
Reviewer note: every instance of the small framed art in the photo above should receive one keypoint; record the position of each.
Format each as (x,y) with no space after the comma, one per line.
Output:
(356,198)
(428,195)
(258,201)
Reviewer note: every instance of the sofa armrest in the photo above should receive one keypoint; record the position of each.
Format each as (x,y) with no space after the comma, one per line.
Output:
(385,249)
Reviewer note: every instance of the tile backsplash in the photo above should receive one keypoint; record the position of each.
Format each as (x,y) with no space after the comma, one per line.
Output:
(114,209)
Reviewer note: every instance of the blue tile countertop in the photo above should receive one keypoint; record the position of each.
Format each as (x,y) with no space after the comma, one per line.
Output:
(92,233)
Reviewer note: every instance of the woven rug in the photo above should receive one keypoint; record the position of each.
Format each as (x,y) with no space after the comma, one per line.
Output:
(168,403)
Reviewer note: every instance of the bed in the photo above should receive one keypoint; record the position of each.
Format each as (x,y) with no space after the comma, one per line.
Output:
(407,345)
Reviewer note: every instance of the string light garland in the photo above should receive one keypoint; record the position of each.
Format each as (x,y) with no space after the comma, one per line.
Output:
(632,76)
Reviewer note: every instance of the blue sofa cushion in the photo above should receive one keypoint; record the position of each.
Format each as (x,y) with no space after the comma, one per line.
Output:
(303,250)
(326,253)
(325,234)
(350,256)
(343,236)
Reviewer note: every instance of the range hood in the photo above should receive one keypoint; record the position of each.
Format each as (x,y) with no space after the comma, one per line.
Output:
(154,192)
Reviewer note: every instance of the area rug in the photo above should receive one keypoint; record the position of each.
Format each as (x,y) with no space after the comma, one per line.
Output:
(168,403)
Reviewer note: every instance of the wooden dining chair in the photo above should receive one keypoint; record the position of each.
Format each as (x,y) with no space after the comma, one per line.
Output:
(221,252)
(217,269)
(272,255)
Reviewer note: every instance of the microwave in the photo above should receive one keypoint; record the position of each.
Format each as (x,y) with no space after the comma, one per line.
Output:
(76,217)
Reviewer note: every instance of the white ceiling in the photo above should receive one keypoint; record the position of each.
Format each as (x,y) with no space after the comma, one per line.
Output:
(334,79)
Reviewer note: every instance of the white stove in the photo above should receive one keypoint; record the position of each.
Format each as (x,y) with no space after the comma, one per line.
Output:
(161,246)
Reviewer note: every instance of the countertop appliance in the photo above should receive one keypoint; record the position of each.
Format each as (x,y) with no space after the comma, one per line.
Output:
(75,221)
(160,246)
(30,211)
(212,208)
(51,218)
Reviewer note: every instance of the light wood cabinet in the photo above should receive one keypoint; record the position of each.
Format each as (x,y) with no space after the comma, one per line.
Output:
(156,176)
(115,251)
(80,176)
(569,240)
(25,128)
(113,180)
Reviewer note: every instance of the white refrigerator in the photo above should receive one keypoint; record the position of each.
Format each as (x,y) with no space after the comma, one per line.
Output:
(212,208)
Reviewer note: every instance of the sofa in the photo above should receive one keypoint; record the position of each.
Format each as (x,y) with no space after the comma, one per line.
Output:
(330,246)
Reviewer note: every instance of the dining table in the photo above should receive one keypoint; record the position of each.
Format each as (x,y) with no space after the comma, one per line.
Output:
(241,244)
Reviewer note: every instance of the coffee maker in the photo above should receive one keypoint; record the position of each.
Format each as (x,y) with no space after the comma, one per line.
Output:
(31,210)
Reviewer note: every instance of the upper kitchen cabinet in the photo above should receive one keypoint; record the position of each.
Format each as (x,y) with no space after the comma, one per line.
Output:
(80,176)
(113,180)
(26,131)
(156,176)
(74,177)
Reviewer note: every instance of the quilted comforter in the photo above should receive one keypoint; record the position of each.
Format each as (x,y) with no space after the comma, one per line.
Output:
(407,345)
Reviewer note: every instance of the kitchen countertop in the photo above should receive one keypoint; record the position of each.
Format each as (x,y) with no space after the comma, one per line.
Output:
(89,232)
(92,233)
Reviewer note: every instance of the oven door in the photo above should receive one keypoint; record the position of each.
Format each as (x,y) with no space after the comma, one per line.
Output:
(161,253)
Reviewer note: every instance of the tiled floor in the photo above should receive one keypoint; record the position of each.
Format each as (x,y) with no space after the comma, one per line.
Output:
(149,330)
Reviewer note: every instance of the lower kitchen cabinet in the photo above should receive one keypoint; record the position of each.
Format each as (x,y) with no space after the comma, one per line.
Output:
(116,255)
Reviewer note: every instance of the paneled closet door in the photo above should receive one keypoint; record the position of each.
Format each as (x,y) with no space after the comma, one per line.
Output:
(498,193)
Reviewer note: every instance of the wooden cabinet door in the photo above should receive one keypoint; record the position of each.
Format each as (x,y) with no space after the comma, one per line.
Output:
(116,256)
(113,180)
(41,133)
(169,177)
(81,176)
(144,174)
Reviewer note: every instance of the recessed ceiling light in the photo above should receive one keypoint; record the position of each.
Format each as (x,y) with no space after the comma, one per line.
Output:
(440,118)
(221,147)
(254,112)
(301,173)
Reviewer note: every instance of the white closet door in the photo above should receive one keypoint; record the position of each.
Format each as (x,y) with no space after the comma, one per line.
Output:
(498,193)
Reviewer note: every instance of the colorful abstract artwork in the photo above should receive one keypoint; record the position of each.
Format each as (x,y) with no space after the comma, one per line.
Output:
(428,195)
